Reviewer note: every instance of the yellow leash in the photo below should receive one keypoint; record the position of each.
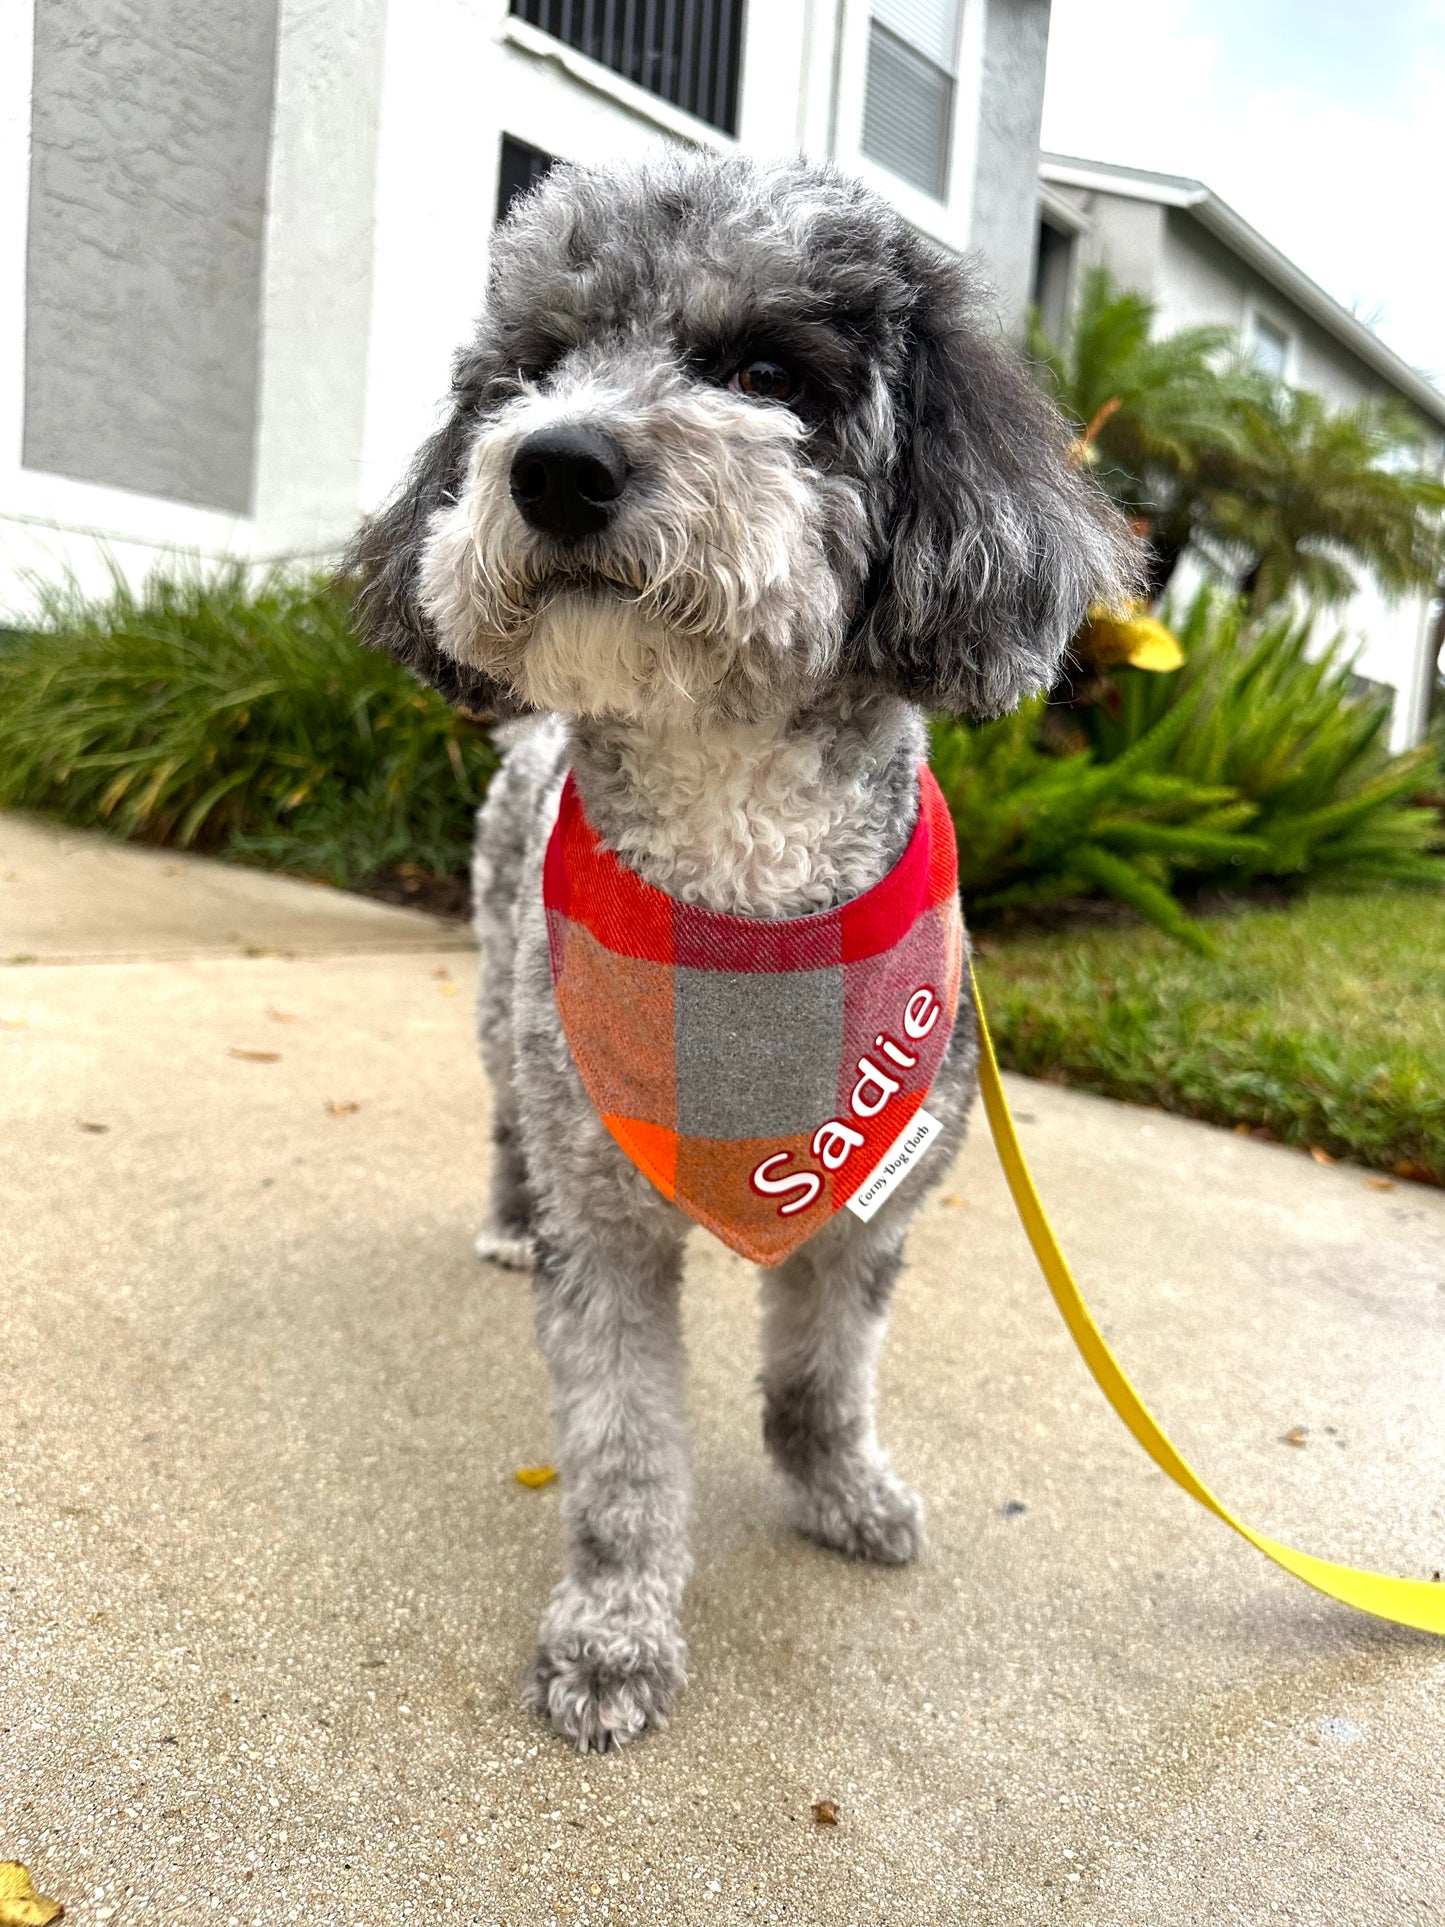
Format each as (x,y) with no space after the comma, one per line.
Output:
(1408,1602)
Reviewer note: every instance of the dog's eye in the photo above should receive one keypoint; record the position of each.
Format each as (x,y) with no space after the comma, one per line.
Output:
(765,381)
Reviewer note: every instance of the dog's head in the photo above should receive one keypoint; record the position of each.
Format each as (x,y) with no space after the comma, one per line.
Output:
(729,432)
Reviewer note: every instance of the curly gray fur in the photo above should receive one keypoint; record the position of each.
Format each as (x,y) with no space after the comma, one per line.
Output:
(737,661)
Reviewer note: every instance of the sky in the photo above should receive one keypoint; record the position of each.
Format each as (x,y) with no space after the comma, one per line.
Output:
(1322,122)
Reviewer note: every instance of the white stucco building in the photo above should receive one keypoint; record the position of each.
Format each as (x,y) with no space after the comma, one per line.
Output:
(239,244)
(1173,240)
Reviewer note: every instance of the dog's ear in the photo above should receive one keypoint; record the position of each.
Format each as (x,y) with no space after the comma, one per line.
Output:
(995,542)
(383,564)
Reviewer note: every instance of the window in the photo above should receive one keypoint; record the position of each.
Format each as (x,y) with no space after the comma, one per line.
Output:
(908,96)
(1268,347)
(1053,279)
(522,167)
(686,51)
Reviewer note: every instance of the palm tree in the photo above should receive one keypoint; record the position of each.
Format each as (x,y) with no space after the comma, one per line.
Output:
(1321,495)
(1199,446)
(1155,412)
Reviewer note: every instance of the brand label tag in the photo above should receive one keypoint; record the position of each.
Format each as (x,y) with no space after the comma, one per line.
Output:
(905,1150)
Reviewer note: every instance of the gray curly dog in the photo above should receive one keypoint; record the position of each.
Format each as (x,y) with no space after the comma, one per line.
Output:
(736,481)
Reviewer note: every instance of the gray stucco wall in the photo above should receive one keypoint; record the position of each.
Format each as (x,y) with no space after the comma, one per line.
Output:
(151,125)
(1125,236)
(1011,105)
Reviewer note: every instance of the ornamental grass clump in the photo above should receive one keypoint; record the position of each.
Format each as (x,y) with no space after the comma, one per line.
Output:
(1255,762)
(232,715)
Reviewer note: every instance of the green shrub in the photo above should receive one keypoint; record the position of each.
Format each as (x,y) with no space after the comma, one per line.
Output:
(226,715)
(1253,762)
(1287,732)
(1033,827)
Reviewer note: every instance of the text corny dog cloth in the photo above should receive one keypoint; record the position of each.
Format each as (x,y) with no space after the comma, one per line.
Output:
(763,1073)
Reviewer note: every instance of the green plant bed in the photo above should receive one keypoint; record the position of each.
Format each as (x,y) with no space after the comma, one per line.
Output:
(1322,1025)
(241,718)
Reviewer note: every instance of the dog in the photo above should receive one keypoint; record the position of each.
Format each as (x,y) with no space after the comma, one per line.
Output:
(736,481)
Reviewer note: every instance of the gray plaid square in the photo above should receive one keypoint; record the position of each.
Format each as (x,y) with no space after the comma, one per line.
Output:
(757,1051)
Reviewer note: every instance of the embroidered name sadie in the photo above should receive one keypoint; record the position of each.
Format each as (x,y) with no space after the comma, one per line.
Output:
(836,1141)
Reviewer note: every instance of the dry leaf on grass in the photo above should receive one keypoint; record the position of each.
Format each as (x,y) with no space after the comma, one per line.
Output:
(256,1056)
(825,1812)
(20,1905)
(535,1475)
(1296,1435)
(1379,1184)
(342,1106)
(1321,1156)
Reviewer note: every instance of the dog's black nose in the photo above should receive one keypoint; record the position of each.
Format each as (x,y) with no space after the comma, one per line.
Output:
(566,481)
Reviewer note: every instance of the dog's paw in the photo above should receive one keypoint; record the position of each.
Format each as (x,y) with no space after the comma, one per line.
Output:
(602,1685)
(505,1248)
(870,1516)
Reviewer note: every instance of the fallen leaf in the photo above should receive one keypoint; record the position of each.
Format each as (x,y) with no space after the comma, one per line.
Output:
(1321,1157)
(20,1905)
(1408,1168)
(342,1106)
(85,1125)
(954,1198)
(441,971)
(1379,1184)
(449,990)
(535,1475)
(13,1023)
(825,1812)
(1296,1435)
(256,1056)
(282,1016)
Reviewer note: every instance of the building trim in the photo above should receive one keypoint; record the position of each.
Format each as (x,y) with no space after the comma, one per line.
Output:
(1061,213)
(614,87)
(1220,220)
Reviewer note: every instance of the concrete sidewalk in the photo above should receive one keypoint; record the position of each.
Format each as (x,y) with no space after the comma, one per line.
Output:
(267,1583)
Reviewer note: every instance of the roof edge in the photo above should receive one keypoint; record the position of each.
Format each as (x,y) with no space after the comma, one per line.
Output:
(1221,220)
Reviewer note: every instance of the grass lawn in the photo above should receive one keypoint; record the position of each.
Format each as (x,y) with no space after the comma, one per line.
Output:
(1322,1025)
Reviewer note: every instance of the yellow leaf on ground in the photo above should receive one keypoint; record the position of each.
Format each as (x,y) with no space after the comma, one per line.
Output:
(1379,1184)
(1296,1435)
(342,1106)
(20,1905)
(535,1475)
(256,1056)
(1321,1156)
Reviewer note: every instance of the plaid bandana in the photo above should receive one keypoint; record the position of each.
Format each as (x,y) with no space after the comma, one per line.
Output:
(762,1072)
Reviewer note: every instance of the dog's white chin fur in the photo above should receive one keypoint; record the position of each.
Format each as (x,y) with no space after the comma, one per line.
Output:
(591,655)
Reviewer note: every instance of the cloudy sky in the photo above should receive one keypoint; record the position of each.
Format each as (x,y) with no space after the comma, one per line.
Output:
(1322,122)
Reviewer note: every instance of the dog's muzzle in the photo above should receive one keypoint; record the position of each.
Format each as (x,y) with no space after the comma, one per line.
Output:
(567,482)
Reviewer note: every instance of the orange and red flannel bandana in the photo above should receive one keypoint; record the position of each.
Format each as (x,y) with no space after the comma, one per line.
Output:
(763,1073)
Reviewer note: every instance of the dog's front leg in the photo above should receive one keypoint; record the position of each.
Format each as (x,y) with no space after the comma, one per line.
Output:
(825,1312)
(611,1657)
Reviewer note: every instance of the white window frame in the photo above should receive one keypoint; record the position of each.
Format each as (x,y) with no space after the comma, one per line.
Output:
(950,220)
